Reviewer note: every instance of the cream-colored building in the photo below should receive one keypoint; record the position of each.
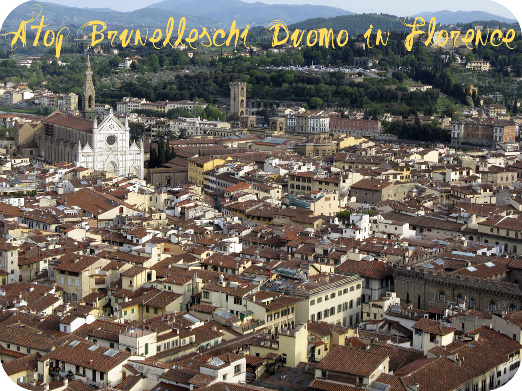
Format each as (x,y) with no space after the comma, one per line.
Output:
(77,276)
(330,297)
(292,346)
(276,310)
(139,342)
(430,333)
(375,309)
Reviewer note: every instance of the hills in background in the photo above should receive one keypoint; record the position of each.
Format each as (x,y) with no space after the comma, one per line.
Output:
(61,16)
(358,24)
(254,14)
(354,24)
(454,17)
(221,13)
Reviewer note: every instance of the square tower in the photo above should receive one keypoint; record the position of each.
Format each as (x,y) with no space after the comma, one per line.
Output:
(238,97)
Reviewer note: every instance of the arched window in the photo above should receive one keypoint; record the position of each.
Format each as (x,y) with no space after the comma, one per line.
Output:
(471,302)
(512,308)
(492,305)
(459,299)
(442,296)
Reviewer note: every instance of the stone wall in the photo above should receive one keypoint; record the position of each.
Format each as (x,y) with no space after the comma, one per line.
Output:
(422,289)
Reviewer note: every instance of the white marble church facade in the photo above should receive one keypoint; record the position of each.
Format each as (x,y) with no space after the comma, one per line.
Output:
(111,149)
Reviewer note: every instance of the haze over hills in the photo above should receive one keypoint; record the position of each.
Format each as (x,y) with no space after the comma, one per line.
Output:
(60,16)
(254,14)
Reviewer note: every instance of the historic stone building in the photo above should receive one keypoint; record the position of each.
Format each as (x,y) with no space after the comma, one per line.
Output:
(425,289)
(238,97)
(317,145)
(277,125)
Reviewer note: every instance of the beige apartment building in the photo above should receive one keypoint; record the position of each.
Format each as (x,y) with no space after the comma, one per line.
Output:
(331,298)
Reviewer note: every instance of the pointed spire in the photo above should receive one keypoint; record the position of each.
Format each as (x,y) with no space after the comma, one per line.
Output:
(88,61)
(126,122)
(95,121)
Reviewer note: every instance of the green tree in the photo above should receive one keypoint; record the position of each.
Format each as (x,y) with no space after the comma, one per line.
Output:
(315,103)
(153,161)
(137,130)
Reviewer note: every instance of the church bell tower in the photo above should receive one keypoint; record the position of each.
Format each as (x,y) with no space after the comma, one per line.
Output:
(89,101)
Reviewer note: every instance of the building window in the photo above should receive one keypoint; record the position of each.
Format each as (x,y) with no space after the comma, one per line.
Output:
(492,305)
(206,294)
(237,369)
(442,296)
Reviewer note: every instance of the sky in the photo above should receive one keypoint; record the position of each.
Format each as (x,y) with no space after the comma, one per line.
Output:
(401,7)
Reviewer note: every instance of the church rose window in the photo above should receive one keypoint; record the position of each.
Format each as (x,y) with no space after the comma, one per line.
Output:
(111,140)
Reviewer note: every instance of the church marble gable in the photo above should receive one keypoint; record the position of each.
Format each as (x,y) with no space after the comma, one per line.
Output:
(110,124)
(87,148)
(134,147)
